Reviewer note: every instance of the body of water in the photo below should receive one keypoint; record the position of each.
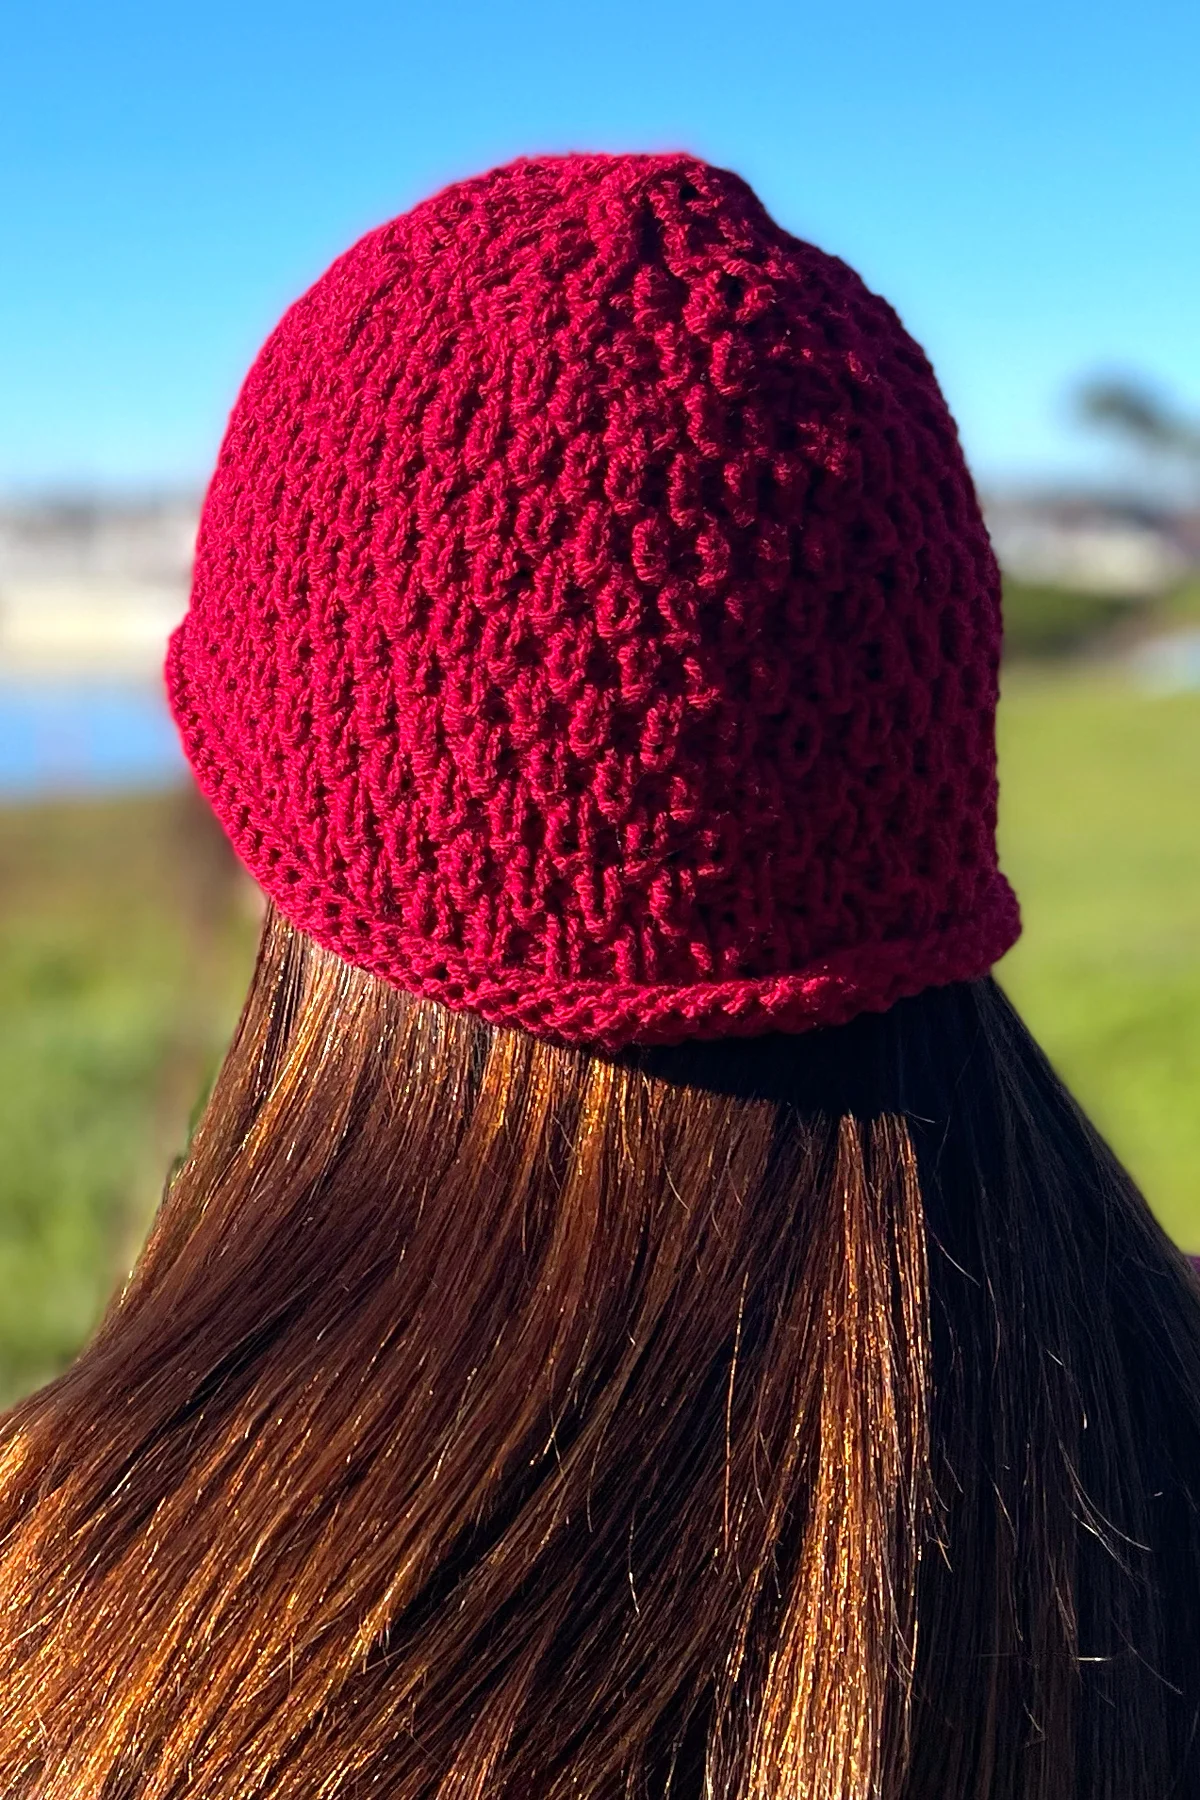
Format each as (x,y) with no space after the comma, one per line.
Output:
(79,735)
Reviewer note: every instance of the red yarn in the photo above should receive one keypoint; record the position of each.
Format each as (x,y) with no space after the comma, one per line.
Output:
(593,621)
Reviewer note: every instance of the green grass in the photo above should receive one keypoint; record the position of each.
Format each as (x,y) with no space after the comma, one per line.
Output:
(122,950)
(1100,834)
(126,942)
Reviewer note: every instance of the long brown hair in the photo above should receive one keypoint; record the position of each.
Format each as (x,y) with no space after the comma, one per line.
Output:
(814,1416)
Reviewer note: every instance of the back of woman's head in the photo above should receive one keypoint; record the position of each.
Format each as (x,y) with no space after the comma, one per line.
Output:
(816,1415)
(638,1315)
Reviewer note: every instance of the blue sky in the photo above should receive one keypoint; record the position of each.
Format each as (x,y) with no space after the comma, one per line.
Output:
(1021,179)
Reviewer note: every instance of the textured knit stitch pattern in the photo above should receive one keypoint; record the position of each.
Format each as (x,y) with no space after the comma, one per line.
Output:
(593,622)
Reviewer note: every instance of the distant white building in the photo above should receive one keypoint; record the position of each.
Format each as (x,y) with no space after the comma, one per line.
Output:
(92,587)
(1168,663)
(1094,545)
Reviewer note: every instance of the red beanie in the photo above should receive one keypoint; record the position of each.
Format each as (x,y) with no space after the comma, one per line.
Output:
(593,621)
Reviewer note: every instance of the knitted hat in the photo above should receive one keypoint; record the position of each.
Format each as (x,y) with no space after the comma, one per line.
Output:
(593,622)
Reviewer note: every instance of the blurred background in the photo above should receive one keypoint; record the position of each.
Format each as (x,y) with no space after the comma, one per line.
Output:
(1019,179)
